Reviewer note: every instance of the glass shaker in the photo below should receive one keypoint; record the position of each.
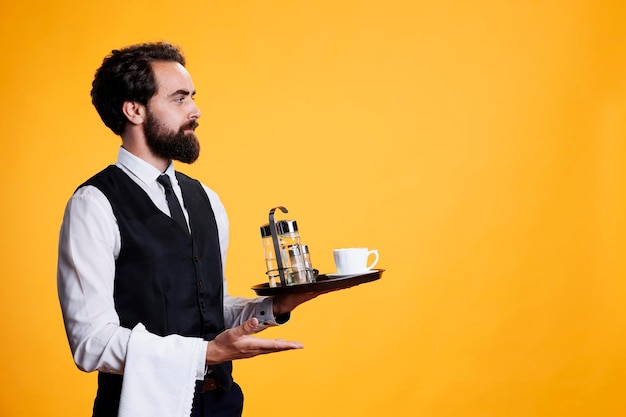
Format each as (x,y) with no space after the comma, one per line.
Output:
(291,256)
(311,274)
(271,263)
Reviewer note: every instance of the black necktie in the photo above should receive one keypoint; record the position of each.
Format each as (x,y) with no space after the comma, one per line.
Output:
(175,210)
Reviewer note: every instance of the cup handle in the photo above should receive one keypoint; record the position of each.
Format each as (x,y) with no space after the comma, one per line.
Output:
(375,253)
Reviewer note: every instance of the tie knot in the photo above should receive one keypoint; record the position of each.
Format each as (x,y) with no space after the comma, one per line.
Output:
(164,180)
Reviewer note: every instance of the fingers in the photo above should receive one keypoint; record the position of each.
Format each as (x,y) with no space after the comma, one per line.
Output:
(252,346)
(250,326)
(259,345)
(275,345)
(247,328)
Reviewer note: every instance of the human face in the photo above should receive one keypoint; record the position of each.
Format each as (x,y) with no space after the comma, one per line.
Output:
(172,114)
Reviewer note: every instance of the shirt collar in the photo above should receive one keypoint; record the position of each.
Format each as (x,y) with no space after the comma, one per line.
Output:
(144,171)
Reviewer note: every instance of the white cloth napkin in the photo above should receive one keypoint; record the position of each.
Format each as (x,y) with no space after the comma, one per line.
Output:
(160,374)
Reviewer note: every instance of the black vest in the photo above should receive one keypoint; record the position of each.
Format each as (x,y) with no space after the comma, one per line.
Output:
(169,281)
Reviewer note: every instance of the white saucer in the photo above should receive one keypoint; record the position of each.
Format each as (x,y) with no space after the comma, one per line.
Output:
(336,275)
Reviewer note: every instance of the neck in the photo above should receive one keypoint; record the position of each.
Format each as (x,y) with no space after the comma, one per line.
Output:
(136,144)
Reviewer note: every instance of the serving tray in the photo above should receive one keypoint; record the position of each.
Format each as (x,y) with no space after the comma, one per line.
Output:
(324,282)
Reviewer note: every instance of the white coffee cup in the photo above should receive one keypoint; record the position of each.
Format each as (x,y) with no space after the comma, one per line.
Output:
(354,260)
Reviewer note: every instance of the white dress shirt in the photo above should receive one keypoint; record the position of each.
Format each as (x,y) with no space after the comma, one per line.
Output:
(89,245)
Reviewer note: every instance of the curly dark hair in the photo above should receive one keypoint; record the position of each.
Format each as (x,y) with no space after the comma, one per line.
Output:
(126,75)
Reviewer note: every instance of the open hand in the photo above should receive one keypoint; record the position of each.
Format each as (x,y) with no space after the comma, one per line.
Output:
(236,343)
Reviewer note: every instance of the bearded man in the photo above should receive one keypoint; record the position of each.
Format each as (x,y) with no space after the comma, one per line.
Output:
(141,257)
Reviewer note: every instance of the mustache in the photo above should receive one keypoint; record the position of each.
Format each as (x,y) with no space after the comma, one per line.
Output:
(191,125)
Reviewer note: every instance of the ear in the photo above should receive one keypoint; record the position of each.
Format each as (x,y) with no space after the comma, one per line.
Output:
(134,111)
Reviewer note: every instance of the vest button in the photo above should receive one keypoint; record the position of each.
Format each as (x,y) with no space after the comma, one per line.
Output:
(200,284)
(196,259)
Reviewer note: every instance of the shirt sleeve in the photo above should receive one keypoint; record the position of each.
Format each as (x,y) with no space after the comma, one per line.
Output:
(89,244)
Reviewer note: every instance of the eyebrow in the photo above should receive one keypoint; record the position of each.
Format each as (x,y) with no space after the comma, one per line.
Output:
(183,93)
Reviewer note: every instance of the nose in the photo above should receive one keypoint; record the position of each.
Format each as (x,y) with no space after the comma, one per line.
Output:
(195,112)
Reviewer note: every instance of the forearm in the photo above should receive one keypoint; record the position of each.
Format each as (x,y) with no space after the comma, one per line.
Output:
(104,350)
(238,310)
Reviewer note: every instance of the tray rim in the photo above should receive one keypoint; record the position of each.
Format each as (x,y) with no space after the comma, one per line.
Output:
(323,282)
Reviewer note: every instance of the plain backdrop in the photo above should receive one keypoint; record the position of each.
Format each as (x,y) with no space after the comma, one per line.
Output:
(478,145)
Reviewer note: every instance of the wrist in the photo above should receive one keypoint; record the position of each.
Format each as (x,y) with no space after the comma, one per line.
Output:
(210,356)
(281,312)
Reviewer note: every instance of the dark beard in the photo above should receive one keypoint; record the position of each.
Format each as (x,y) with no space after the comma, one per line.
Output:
(180,146)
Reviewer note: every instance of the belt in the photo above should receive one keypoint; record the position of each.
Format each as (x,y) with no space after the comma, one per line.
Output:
(209,384)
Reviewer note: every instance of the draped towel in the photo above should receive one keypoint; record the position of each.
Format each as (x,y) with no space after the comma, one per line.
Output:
(160,374)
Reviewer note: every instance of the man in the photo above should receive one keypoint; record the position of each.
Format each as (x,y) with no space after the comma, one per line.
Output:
(141,255)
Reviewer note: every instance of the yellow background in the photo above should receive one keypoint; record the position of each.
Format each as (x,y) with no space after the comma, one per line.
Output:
(478,145)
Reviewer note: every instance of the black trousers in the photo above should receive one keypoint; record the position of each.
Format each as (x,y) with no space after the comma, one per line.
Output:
(218,403)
